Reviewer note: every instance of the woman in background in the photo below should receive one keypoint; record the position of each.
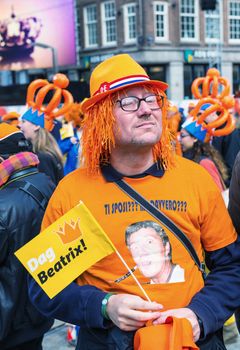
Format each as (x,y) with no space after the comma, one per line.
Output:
(45,146)
(195,147)
(70,137)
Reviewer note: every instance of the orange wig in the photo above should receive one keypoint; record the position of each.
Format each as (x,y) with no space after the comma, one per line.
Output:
(98,137)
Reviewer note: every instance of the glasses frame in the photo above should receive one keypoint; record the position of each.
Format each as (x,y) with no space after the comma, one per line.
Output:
(162,98)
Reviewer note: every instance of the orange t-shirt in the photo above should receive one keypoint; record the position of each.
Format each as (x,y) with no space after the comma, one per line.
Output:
(186,194)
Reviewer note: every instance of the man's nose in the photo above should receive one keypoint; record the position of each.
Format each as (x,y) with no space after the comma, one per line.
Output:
(144,108)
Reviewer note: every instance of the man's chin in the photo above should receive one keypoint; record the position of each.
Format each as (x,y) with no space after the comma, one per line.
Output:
(150,142)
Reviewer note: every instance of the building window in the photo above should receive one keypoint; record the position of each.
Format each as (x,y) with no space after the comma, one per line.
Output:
(234,21)
(130,23)
(156,72)
(191,72)
(189,20)
(160,20)
(109,23)
(236,78)
(78,27)
(90,25)
(212,25)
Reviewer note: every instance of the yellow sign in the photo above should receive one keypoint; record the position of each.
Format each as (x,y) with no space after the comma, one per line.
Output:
(66,131)
(64,250)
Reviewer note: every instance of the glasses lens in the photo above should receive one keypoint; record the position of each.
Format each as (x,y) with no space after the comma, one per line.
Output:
(132,103)
(154,101)
(129,104)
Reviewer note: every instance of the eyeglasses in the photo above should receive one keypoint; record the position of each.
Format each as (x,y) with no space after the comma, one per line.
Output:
(132,103)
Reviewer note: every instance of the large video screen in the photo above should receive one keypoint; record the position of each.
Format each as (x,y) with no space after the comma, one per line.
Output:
(36,34)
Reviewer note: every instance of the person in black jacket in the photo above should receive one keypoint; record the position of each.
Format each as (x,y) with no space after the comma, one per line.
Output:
(24,194)
(234,209)
(228,146)
(234,194)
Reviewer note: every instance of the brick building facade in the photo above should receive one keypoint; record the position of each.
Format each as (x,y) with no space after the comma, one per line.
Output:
(175,40)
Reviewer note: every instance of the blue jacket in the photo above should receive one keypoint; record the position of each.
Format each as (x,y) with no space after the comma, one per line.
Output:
(71,151)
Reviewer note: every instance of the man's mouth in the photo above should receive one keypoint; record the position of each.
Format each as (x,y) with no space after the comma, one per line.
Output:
(145,125)
(145,263)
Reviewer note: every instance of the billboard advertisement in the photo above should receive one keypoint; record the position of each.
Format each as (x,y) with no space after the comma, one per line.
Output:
(36,34)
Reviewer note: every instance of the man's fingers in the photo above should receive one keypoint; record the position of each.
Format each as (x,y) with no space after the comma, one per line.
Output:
(123,307)
(140,304)
(131,323)
(141,316)
(128,328)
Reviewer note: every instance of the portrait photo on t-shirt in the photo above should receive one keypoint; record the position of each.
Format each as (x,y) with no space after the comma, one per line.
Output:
(151,251)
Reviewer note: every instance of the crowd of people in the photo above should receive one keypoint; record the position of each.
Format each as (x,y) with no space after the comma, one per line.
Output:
(186,257)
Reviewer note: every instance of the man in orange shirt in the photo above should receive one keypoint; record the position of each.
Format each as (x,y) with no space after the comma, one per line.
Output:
(125,136)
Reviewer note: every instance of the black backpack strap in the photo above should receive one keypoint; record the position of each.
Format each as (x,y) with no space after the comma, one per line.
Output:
(163,219)
(34,192)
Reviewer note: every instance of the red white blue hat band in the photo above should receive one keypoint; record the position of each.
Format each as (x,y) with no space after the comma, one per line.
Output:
(121,82)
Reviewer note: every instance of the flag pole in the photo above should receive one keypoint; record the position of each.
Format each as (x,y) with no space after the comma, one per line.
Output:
(132,274)
(87,211)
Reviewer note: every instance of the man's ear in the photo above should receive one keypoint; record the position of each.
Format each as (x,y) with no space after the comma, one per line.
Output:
(167,248)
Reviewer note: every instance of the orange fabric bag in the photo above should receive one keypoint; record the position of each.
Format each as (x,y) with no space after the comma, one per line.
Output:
(175,334)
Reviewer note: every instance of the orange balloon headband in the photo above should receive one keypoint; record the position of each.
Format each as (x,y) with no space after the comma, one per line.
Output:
(74,114)
(214,92)
(43,113)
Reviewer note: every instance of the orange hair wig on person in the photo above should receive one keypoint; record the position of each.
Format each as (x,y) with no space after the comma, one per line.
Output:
(173,118)
(98,137)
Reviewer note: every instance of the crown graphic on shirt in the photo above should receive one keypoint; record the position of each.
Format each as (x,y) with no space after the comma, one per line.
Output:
(69,232)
